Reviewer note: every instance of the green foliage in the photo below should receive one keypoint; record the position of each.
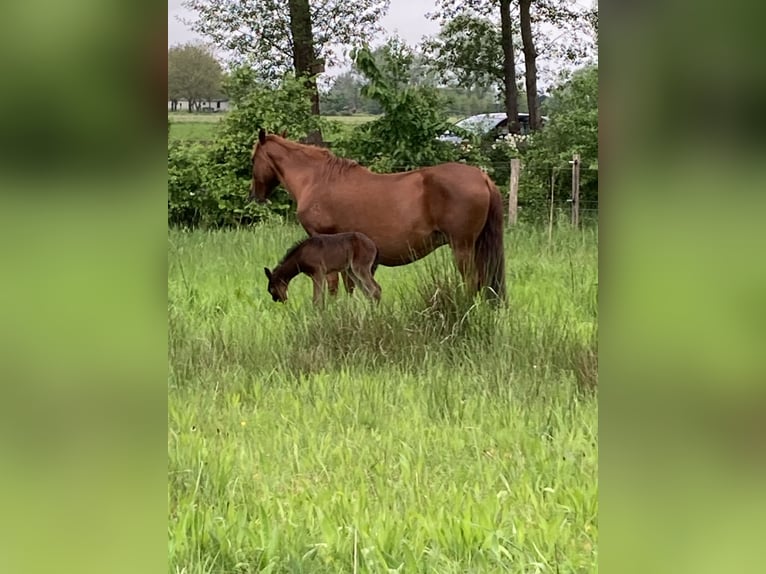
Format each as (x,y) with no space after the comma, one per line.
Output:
(344,97)
(468,51)
(284,108)
(464,102)
(572,128)
(422,435)
(406,135)
(201,195)
(573,109)
(219,175)
(186,164)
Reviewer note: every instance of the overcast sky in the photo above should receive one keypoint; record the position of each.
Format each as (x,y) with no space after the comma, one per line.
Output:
(405,17)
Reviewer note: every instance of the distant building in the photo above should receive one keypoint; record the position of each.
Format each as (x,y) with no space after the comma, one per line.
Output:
(182,105)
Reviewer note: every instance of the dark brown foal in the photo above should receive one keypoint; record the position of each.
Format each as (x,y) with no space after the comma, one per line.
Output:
(353,253)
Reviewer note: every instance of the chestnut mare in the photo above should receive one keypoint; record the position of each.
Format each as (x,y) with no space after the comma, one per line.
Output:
(407,215)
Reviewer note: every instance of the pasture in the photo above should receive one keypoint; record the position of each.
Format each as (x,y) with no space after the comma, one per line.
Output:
(428,434)
(196,127)
(201,127)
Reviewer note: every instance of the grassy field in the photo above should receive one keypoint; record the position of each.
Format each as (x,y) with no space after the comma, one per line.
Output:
(197,127)
(429,434)
(201,127)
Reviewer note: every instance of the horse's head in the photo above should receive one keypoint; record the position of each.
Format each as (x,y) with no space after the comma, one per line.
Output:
(277,287)
(264,175)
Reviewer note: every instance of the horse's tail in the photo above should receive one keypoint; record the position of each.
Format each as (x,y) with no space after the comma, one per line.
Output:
(489,251)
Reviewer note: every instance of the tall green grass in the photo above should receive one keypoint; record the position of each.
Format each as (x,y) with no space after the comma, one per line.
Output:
(431,433)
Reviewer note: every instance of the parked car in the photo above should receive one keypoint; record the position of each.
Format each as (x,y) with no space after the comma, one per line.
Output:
(494,124)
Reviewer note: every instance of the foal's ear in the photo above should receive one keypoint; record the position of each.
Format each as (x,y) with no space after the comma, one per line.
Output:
(268,273)
(284,133)
(262,135)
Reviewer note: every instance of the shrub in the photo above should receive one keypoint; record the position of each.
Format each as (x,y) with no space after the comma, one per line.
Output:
(201,193)
(186,201)
(406,135)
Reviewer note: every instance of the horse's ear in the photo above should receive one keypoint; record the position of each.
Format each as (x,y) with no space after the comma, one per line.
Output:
(284,133)
(268,273)
(262,135)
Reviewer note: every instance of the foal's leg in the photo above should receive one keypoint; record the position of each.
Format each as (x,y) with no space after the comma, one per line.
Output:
(348,282)
(373,287)
(331,278)
(332,283)
(353,279)
(364,276)
(318,280)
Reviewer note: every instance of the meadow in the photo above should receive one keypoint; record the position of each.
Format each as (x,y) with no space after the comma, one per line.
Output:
(201,127)
(431,433)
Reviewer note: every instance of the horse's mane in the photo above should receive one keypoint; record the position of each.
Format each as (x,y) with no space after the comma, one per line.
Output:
(334,165)
(293,248)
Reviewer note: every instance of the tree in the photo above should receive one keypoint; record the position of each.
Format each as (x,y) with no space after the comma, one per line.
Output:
(344,95)
(476,50)
(530,64)
(304,61)
(509,68)
(469,101)
(273,37)
(472,45)
(402,64)
(193,74)
(467,52)
(551,13)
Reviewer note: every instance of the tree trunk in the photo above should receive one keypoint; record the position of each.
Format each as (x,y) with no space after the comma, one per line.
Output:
(530,63)
(303,55)
(509,68)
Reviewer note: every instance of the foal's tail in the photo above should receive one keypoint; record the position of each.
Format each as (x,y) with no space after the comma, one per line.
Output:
(489,251)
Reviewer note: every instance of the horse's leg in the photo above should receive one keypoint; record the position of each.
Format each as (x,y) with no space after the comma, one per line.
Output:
(332,283)
(348,282)
(373,287)
(464,259)
(351,280)
(331,278)
(370,287)
(318,280)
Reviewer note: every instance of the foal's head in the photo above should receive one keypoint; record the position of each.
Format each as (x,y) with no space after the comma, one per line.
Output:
(277,287)
(264,174)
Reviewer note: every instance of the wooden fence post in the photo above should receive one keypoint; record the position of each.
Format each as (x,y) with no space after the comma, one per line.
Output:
(513,192)
(576,189)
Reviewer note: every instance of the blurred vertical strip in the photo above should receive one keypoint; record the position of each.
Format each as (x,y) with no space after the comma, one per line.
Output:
(682,291)
(83,290)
